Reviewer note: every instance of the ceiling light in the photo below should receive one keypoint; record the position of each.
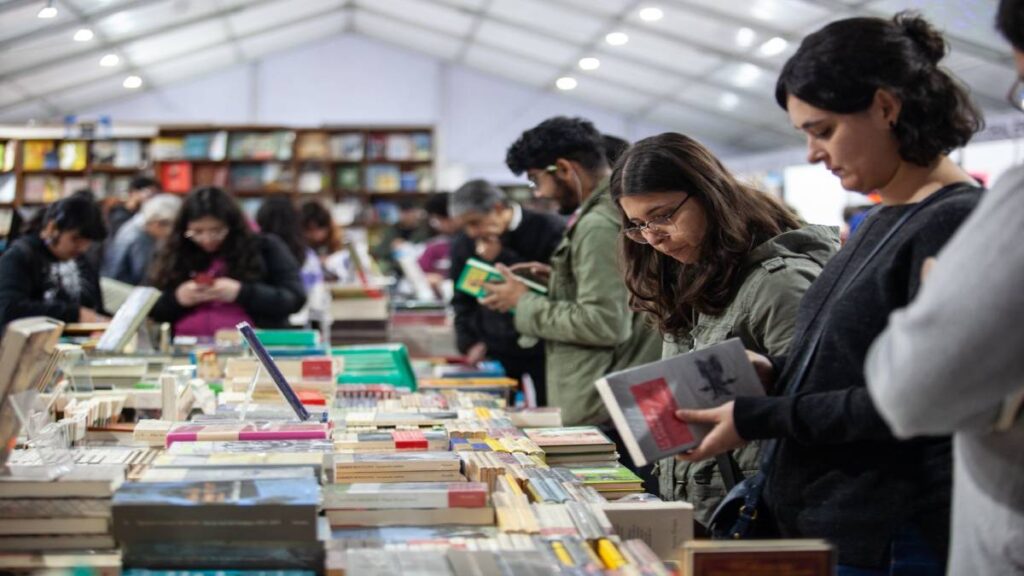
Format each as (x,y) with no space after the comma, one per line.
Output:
(616,38)
(110,60)
(566,83)
(746,75)
(48,11)
(728,101)
(132,82)
(651,14)
(83,35)
(744,37)
(589,63)
(774,46)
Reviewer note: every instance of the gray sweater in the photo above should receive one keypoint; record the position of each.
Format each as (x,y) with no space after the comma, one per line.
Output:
(951,361)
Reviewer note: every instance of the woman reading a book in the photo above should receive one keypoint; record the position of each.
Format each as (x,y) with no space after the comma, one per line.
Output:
(709,259)
(39,275)
(881,114)
(214,272)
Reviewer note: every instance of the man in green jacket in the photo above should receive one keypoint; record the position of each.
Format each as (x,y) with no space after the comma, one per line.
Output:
(585,318)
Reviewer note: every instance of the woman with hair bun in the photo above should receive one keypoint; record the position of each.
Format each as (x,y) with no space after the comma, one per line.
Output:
(880,114)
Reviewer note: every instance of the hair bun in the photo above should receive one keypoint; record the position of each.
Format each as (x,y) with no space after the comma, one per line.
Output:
(927,38)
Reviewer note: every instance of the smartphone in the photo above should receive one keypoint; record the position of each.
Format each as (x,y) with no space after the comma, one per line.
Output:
(203,279)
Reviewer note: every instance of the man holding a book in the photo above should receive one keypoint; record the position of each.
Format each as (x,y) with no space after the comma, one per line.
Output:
(585,318)
(497,230)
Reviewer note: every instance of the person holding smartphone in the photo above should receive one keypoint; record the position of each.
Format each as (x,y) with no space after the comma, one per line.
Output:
(215,272)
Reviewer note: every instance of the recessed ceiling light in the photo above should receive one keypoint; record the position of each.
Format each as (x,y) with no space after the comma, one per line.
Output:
(48,11)
(774,46)
(747,75)
(651,14)
(566,83)
(132,82)
(616,38)
(728,101)
(110,60)
(589,63)
(83,35)
(744,37)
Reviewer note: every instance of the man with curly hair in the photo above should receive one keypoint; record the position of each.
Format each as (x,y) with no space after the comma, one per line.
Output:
(585,319)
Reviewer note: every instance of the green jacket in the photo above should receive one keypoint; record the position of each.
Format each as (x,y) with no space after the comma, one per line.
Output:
(762,314)
(585,318)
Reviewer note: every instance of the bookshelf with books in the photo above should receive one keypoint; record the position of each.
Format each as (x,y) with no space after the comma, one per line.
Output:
(37,171)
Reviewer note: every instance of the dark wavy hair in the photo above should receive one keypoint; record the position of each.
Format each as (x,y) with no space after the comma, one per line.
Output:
(559,137)
(1010,22)
(739,218)
(840,68)
(313,214)
(181,258)
(78,212)
(278,216)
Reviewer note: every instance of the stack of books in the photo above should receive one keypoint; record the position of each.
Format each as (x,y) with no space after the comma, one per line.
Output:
(261,523)
(574,445)
(408,504)
(398,467)
(57,507)
(612,482)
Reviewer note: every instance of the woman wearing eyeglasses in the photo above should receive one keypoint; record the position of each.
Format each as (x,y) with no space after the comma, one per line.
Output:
(215,272)
(709,259)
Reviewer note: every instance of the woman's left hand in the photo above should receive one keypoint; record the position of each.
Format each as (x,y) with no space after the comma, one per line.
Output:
(722,437)
(225,289)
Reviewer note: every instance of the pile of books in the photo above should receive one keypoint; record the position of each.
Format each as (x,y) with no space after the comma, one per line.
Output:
(579,445)
(612,482)
(408,504)
(398,467)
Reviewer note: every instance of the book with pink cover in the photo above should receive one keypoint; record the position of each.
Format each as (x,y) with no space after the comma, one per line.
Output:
(249,431)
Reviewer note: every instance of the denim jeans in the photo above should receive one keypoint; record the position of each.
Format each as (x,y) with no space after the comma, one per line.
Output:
(910,556)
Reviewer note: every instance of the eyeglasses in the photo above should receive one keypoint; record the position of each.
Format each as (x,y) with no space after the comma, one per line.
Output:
(214,234)
(1016,95)
(655,226)
(549,169)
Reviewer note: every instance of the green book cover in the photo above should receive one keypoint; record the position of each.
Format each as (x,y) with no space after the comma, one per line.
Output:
(289,337)
(605,475)
(477,272)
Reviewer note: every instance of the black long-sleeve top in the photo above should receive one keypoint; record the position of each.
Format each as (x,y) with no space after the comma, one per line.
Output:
(839,473)
(34,283)
(268,301)
(533,240)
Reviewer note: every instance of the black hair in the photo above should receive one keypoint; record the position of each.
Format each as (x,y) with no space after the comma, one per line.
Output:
(140,182)
(1010,22)
(181,257)
(77,213)
(614,147)
(313,214)
(559,137)
(437,205)
(840,68)
(278,216)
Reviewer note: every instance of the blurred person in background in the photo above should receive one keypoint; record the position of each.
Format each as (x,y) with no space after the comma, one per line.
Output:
(130,254)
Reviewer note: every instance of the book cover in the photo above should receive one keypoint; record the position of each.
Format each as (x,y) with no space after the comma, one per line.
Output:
(405,495)
(129,317)
(758,557)
(347,146)
(221,474)
(477,272)
(643,400)
(570,439)
(42,481)
(260,510)
(176,176)
(245,431)
(396,462)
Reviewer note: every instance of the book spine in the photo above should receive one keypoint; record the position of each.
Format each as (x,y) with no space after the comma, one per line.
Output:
(283,434)
(155,522)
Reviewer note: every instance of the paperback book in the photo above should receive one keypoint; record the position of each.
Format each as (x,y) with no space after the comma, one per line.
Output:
(476,273)
(643,400)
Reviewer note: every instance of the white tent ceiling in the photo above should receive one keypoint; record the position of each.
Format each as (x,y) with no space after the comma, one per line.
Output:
(706,67)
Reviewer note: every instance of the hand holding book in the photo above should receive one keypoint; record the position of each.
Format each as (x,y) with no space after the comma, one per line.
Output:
(722,438)
(503,296)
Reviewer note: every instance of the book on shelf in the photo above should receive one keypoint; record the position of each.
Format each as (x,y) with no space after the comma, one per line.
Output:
(42,189)
(39,155)
(422,146)
(643,400)
(476,273)
(167,148)
(7,157)
(72,184)
(405,495)
(175,176)
(347,146)
(73,155)
(197,146)
(312,180)
(8,188)
(757,557)
(275,145)
(312,146)
(128,319)
(398,147)
(376,146)
(383,178)
(348,177)
(255,510)
(210,175)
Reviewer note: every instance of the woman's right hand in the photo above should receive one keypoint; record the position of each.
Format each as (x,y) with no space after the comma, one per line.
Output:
(763,367)
(191,293)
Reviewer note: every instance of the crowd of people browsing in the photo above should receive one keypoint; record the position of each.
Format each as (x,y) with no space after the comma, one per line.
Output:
(873,355)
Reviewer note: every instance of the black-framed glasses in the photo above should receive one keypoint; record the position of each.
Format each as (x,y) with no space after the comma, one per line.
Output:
(1016,95)
(656,226)
(550,168)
